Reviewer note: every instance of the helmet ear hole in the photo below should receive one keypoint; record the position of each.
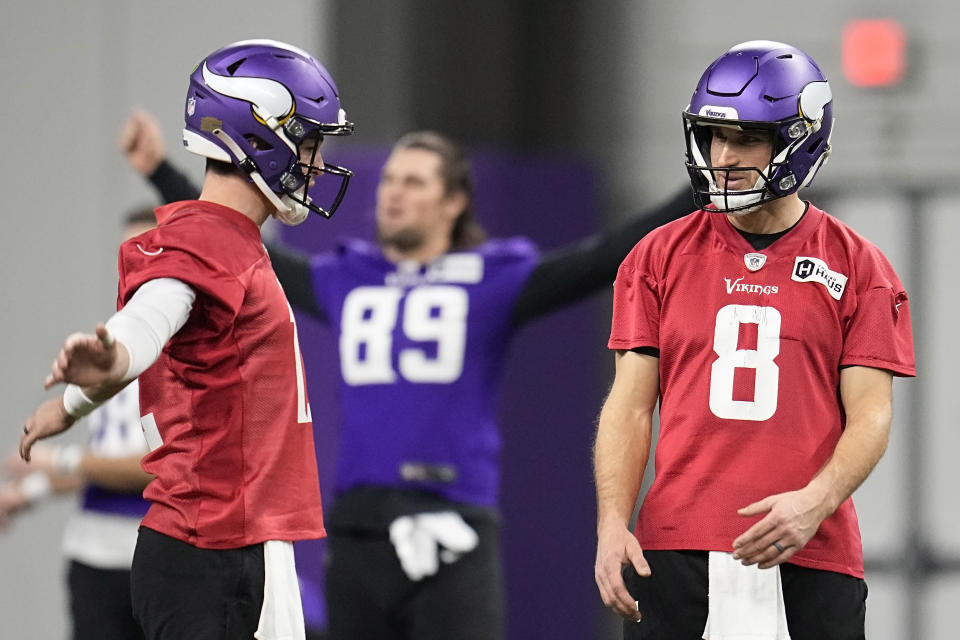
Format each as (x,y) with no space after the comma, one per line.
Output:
(258,143)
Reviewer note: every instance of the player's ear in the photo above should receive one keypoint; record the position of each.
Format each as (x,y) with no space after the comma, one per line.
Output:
(453,204)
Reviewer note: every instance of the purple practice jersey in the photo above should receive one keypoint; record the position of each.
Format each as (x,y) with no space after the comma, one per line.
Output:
(421,359)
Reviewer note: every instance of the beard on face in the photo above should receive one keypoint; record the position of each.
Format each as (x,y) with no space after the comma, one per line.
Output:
(404,240)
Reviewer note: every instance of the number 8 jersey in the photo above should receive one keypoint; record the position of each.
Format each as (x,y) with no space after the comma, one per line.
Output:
(751,345)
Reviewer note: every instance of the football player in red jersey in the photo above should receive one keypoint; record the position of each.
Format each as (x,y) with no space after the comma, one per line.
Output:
(769,333)
(205,325)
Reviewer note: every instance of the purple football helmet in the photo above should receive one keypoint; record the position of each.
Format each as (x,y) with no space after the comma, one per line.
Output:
(253,103)
(768,86)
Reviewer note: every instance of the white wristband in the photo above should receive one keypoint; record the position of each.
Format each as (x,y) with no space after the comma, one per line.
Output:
(35,486)
(76,402)
(66,460)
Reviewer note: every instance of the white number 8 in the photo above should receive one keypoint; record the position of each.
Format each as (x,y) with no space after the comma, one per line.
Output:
(730,358)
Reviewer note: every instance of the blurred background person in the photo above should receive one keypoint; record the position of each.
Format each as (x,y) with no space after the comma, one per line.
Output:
(101,534)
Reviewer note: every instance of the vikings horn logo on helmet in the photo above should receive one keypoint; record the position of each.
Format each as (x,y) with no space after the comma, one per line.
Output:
(813,100)
(271,101)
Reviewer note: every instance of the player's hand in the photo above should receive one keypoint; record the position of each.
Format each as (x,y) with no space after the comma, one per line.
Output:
(12,501)
(41,459)
(89,360)
(142,142)
(790,520)
(616,548)
(49,419)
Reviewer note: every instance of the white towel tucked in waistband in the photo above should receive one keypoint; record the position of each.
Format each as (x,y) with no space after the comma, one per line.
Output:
(281,617)
(746,603)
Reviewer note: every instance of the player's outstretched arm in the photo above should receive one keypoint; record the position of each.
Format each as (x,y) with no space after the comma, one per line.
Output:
(622,445)
(72,466)
(89,360)
(98,366)
(49,419)
(293,271)
(569,273)
(791,519)
(116,474)
(141,141)
(94,365)
(12,502)
(29,484)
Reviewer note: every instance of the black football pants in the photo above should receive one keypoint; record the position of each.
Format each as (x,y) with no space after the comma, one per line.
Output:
(820,605)
(180,591)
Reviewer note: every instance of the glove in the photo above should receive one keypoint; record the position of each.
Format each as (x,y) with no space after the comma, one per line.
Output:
(422,540)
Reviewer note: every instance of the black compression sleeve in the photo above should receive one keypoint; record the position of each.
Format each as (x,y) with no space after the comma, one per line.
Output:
(293,272)
(172,184)
(571,272)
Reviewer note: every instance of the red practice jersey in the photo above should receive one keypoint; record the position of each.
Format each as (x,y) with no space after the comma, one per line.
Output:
(227,397)
(751,346)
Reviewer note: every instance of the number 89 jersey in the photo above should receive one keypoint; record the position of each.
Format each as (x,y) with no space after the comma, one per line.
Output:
(421,356)
(751,346)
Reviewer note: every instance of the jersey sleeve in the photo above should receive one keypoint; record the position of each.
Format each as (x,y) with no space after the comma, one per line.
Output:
(294,273)
(156,255)
(880,334)
(636,302)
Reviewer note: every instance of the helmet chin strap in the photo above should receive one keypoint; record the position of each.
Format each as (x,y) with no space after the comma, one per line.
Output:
(741,202)
(286,210)
(295,213)
(735,201)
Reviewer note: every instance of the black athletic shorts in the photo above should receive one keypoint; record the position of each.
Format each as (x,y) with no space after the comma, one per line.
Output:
(180,591)
(820,605)
(100,603)
(369,597)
